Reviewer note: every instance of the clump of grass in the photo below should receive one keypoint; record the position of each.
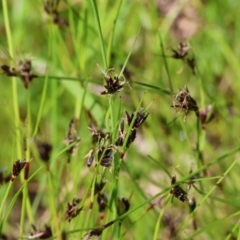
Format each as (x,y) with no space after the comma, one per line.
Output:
(114,183)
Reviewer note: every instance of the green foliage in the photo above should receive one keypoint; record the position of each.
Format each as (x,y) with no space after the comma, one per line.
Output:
(172,174)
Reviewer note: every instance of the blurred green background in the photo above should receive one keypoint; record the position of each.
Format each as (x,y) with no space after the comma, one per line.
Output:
(65,56)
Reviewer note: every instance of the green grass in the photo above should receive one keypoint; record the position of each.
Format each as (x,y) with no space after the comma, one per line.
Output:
(135,39)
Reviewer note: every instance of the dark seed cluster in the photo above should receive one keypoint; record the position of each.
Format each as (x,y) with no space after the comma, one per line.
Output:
(93,233)
(97,231)
(51,8)
(44,150)
(106,155)
(178,192)
(40,234)
(121,134)
(99,186)
(105,151)
(101,148)
(192,205)
(182,50)
(184,102)
(113,85)
(72,209)
(72,140)
(23,70)
(90,158)
(104,145)
(182,53)
(123,206)
(4,179)
(102,200)
(139,120)
(98,135)
(17,168)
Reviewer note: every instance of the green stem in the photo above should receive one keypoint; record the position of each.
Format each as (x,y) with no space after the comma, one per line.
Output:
(23,209)
(43,97)
(14,83)
(202,134)
(95,11)
(55,219)
(212,224)
(110,45)
(113,123)
(25,190)
(215,161)
(15,110)
(131,125)
(207,195)
(80,46)
(158,224)
(229,236)
(5,198)
(26,201)
(166,64)
(96,15)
